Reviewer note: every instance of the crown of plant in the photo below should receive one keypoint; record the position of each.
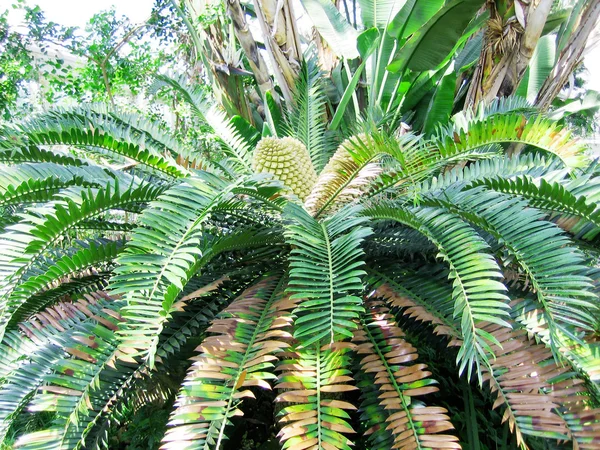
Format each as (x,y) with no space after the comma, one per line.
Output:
(288,159)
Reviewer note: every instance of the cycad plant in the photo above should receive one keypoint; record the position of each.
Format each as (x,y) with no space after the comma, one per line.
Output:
(326,273)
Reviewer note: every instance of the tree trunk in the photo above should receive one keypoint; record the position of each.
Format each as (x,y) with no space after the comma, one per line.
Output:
(278,25)
(508,47)
(570,56)
(244,36)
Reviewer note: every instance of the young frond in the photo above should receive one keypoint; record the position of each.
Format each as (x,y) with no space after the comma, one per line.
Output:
(358,161)
(536,131)
(304,120)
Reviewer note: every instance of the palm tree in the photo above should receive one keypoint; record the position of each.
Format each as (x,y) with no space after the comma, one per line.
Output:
(295,264)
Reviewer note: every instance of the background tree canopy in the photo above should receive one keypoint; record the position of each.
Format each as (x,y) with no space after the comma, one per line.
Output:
(300,225)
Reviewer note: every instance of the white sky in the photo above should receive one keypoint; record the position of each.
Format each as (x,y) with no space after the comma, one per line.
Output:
(78,12)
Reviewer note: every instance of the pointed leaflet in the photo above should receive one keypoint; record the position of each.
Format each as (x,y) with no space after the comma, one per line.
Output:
(553,266)
(393,384)
(24,245)
(312,379)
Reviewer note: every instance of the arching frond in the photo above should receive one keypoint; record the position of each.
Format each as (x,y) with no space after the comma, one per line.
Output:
(534,390)
(169,248)
(554,268)
(532,165)
(28,356)
(582,354)
(477,293)
(52,273)
(555,198)
(10,153)
(325,271)
(498,106)
(129,391)
(98,133)
(135,124)
(23,245)
(514,127)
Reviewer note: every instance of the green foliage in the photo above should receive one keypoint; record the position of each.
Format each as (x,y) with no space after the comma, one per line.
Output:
(325,272)
(140,272)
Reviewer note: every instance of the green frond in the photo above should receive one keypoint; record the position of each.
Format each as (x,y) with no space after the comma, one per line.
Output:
(325,272)
(191,319)
(537,131)
(554,198)
(131,391)
(477,293)
(498,106)
(392,240)
(532,165)
(15,175)
(392,384)
(238,355)
(11,154)
(24,244)
(169,247)
(417,162)
(106,226)
(312,379)
(305,119)
(25,299)
(536,392)
(35,183)
(552,265)
(135,124)
(96,133)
